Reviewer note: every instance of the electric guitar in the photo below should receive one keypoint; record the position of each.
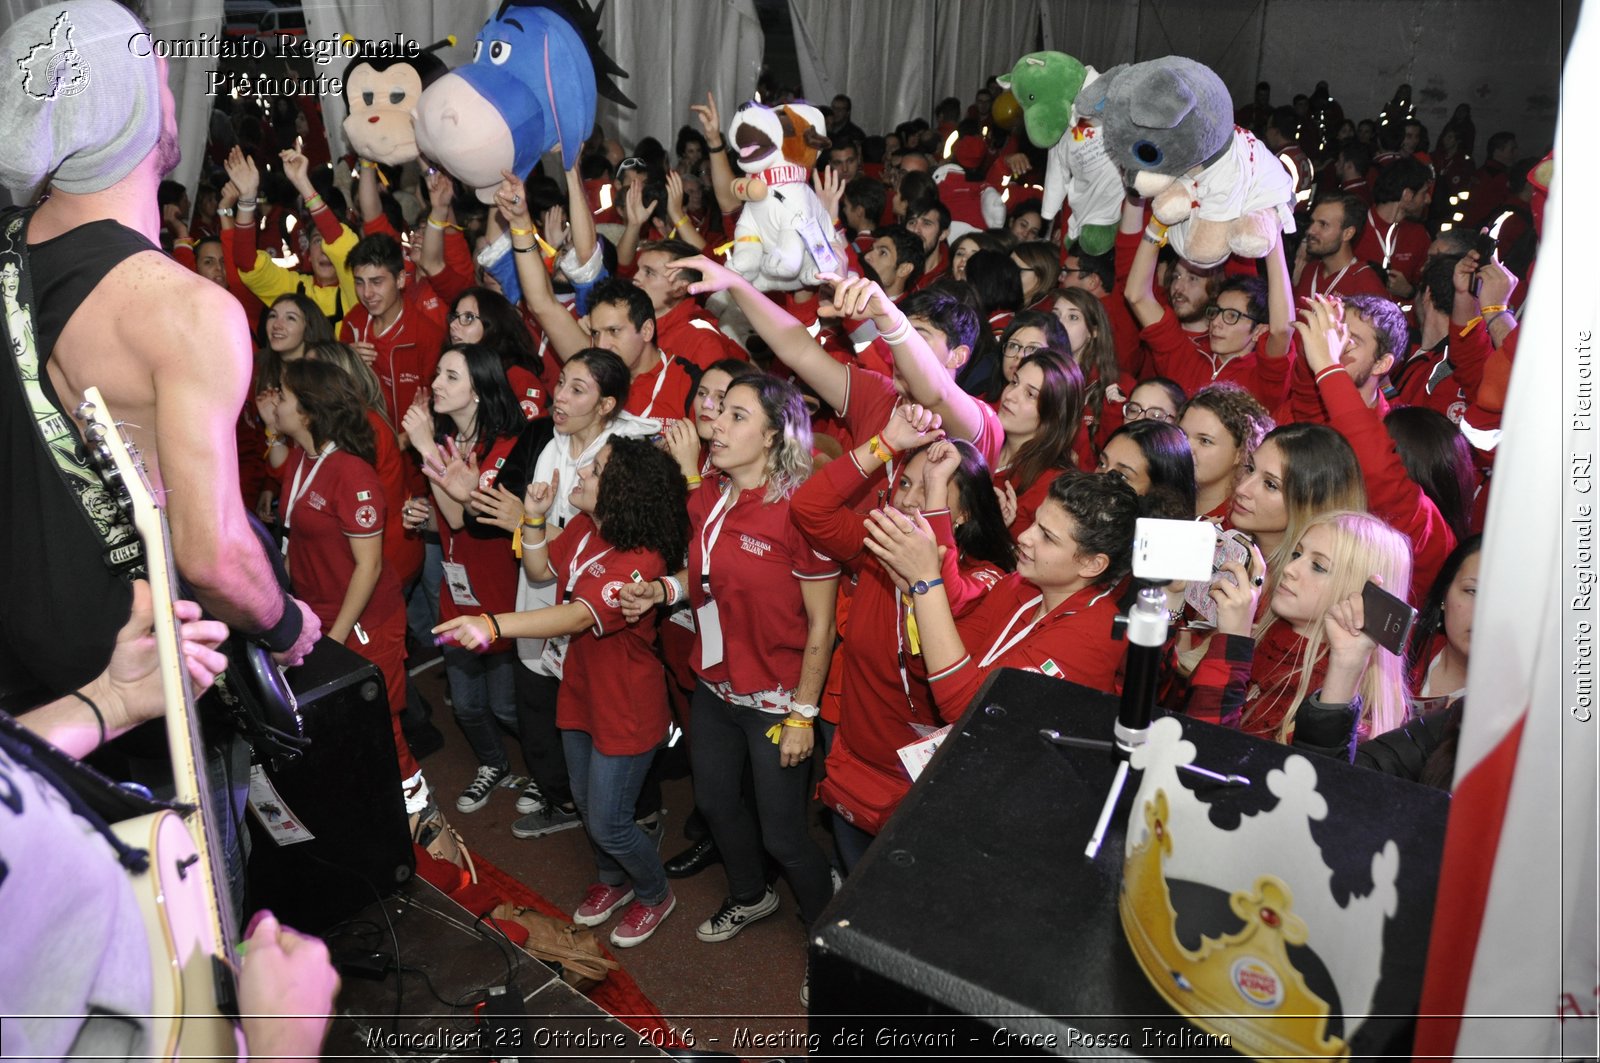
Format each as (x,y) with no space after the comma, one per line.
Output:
(188,912)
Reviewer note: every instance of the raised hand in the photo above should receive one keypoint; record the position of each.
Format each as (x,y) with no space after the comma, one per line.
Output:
(540,496)
(296,167)
(911,426)
(683,443)
(512,200)
(441,190)
(634,209)
(710,121)
(1324,337)
(856,298)
(228,196)
(674,196)
(1236,596)
(454,470)
(557,232)
(714,276)
(498,507)
(243,173)
(417,423)
(829,187)
(1006,495)
(904,543)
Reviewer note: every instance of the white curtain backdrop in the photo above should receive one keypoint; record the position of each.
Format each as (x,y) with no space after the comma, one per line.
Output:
(973,41)
(674,52)
(881,54)
(1100,33)
(171,20)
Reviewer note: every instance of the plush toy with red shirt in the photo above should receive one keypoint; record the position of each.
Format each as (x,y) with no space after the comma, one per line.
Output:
(1168,124)
(1046,85)
(783,239)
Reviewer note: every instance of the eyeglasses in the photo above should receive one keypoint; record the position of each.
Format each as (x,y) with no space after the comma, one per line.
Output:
(1132,411)
(466,317)
(1229,315)
(632,162)
(1014,349)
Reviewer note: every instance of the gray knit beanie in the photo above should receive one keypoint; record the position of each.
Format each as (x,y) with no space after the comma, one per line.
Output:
(75,98)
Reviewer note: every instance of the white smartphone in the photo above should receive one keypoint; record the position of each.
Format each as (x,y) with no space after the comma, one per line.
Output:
(1167,550)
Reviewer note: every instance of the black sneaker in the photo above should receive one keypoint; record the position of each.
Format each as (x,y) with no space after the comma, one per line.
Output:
(532,799)
(476,795)
(733,917)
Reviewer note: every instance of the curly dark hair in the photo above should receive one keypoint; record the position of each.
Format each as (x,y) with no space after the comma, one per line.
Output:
(333,408)
(1105,510)
(641,502)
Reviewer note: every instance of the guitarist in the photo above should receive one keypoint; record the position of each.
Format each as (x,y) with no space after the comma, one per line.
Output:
(77,981)
(93,301)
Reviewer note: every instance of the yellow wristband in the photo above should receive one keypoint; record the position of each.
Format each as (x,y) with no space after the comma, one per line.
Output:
(692,481)
(797,723)
(533,522)
(1495,309)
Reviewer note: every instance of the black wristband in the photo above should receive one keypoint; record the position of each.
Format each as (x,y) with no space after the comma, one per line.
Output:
(286,632)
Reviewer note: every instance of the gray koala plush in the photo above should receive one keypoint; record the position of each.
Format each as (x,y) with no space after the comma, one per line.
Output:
(1168,124)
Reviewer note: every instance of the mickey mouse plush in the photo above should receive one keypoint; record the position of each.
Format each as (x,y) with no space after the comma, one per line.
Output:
(382,94)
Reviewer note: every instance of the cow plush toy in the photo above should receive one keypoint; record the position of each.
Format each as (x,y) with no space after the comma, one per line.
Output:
(783,239)
(1168,124)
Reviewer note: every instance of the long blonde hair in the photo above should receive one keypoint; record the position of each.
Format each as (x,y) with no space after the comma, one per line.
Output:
(1363,546)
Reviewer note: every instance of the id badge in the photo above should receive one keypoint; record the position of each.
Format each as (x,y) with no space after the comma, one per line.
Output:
(554,655)
(455,576)
(818,244)
(710,626)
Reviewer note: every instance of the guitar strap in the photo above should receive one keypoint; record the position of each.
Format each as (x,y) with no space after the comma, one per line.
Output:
(123,553)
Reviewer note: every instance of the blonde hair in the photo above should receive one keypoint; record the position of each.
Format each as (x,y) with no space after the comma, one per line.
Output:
(789,460)
(1363,547)
(360,373)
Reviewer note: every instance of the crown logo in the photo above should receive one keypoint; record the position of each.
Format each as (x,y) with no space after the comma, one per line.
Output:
(1243,981)
(54,68)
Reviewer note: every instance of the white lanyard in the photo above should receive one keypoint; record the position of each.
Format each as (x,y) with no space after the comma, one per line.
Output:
(1386,240)
(296,489)
(661,378)
(714,526)
(1337,277)
(1002,644)
(579,563)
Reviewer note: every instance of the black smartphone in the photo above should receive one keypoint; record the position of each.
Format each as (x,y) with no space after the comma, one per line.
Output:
(1387,619)
(1484,243)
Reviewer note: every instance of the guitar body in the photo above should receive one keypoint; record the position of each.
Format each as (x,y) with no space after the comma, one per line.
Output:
(185,1019)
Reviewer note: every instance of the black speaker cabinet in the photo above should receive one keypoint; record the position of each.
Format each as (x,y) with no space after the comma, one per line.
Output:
(343,791)
(975,925)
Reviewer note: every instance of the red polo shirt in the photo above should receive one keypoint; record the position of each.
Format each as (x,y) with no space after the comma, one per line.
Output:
(662,392)
(408,350)
(690,333)
(1403,243)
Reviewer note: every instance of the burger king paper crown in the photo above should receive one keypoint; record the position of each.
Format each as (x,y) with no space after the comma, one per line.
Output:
(1298,959)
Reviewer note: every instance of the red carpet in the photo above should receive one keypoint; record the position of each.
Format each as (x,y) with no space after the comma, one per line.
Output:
(619,994)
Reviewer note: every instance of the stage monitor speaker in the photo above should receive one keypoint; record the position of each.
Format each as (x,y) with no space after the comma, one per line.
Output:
(343,792)
(975,925)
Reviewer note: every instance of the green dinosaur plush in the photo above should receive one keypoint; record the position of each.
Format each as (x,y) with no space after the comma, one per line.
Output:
(1045,84)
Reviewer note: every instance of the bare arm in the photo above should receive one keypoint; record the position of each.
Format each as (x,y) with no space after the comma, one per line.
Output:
(441,191)
(636,214)
(566,336)
(200,368)
(579,218)
(1280,309)
(1140,287)
(788,338)
(721,169)
(368,551)
(928,383)
(367,198)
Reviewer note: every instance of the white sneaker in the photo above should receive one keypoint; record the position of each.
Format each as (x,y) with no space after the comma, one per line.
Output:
(733,917)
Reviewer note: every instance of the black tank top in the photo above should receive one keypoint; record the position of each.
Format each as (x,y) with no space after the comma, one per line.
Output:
(63,606)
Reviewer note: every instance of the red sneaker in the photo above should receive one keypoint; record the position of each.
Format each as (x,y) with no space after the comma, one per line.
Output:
(640,921)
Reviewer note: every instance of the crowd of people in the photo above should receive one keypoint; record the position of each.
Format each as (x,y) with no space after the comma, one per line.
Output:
(643,495)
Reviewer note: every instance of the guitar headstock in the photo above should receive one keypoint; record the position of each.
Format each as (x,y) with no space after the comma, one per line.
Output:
(118,461)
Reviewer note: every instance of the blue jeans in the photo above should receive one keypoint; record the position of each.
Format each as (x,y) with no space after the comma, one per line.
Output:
(422,606)
(605,789)
(483,687)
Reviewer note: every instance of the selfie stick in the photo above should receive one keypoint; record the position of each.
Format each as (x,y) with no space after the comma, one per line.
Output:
(1147,633)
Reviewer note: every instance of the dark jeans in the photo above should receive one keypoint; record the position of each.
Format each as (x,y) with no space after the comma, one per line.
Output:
(605,788)
(726,739)
(852,842)
(484,692)
(536,729)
